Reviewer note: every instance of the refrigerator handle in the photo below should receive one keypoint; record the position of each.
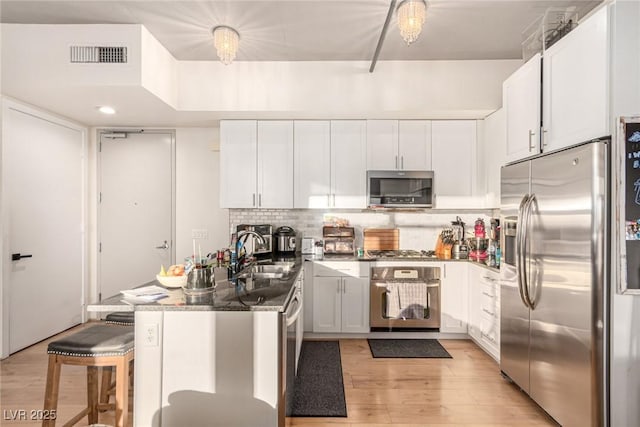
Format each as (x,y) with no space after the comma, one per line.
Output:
(526,229)
(519,248)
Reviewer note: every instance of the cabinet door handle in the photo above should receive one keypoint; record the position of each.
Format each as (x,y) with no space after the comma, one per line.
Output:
(396,162)
(531,135)
(334,200)
(544,137)
(328,200)
(487,294)
(401,162)
(260,200)
(338,288)
(490,338)
(488,312)
(253,203)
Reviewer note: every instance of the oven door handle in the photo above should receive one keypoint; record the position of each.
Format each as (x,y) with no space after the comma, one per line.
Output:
(291,319)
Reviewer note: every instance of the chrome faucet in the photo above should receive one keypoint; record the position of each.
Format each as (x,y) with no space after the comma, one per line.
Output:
(244,234)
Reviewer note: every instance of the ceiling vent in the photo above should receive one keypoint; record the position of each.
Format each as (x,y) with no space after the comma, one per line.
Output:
(99,54)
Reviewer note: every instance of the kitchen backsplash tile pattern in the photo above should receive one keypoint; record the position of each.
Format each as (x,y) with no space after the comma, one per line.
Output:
(418,230)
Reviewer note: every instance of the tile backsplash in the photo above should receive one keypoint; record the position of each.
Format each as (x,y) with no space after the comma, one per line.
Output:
(418,230)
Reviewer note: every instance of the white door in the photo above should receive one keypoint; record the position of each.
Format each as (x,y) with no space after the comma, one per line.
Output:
(355,304)
(414,144)
(453,146)
(238,163)
(327,304)
(382,145)
(348,164)
(136,208)
(521,100)
(454,298)
(275,164)
(576,85)
(43,184)
(312,164)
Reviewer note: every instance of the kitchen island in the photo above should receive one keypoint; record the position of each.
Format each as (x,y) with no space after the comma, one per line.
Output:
(217,359)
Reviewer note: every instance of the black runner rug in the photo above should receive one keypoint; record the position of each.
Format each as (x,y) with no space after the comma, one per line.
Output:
(318,387)
(407,348)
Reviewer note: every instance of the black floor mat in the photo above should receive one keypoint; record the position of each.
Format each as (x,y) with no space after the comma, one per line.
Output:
(318,388)
(407,348)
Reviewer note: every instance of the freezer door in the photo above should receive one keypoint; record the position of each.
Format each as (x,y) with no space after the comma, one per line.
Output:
(567,231)
(514,314)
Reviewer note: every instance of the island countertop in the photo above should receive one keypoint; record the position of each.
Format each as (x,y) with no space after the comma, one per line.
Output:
(264,294)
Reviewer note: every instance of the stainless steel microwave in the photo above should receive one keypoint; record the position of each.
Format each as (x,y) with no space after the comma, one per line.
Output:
(400,189)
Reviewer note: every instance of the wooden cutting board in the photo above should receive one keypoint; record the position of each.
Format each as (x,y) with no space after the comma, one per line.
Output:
(381,239)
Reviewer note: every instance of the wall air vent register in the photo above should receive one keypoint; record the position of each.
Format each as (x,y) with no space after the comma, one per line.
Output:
(98,54)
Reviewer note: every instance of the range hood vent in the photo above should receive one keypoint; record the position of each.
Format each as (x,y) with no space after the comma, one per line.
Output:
(99,54)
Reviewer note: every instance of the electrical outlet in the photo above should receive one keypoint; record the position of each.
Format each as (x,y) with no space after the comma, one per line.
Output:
(199,233)
(150,335)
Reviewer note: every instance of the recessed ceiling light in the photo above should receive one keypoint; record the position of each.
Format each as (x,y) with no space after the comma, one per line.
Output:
(105,109)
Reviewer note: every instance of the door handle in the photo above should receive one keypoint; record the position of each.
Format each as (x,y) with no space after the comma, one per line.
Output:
(18,256)
(519,248)
(165,245)
(531,134)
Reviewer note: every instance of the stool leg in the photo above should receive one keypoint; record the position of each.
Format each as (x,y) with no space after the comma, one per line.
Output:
(105,384)
(122,392)
(52,389)
(92,393)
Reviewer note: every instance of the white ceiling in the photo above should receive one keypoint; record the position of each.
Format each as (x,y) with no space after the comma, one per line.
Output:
(271,30)
(308,30)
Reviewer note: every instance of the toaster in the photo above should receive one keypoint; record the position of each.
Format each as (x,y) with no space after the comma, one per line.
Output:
(308,245)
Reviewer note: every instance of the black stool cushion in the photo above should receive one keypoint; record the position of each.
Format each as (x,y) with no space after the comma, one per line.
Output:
(121,318)
(98,340)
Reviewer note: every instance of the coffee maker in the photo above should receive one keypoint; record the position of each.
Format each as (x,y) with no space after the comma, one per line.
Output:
(460,249)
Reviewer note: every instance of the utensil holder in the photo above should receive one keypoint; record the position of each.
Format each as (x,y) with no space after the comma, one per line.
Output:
(201,278)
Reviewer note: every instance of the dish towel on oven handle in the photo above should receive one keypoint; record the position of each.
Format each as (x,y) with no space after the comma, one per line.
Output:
(393,300)
(413,299)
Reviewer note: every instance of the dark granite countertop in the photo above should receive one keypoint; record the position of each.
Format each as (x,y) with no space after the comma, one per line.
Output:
(256,295)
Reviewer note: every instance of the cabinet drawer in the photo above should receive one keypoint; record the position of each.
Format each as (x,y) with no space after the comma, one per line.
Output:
(489,330)
(340,268)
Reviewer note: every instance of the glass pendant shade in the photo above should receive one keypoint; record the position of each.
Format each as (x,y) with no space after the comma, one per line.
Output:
(226,41)
(411,14)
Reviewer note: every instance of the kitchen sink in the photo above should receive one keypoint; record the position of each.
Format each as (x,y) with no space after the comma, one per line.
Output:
(275,270)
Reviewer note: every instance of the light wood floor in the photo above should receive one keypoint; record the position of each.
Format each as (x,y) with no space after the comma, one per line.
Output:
(467,390)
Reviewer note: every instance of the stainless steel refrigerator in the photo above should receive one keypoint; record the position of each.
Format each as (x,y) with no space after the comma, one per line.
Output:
(554,281)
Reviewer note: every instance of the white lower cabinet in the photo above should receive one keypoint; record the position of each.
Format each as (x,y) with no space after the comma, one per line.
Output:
(453,297)
(484,309)
(340,297)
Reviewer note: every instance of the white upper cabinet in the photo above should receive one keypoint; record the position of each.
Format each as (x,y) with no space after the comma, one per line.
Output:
(398,145)
(348,164)
(414,144)
(238,161)
(575,80)
(453,154)
(256,164)
(275,164)
(312,164)
(521,102)
(491,156)
(382,145)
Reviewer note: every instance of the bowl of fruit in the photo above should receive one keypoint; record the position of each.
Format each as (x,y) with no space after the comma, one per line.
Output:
(173,277)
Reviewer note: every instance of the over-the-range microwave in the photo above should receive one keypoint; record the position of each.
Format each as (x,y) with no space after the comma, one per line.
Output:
(399,189)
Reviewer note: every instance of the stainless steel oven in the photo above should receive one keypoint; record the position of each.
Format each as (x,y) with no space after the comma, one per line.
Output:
(405,297)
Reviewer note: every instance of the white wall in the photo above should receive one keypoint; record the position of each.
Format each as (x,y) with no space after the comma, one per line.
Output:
(197,191)
(397,89)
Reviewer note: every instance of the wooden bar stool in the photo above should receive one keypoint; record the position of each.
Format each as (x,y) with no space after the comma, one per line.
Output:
(107,388)
(93,347)
(121,318)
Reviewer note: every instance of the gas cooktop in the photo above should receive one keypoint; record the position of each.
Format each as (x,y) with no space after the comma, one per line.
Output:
(401,254)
